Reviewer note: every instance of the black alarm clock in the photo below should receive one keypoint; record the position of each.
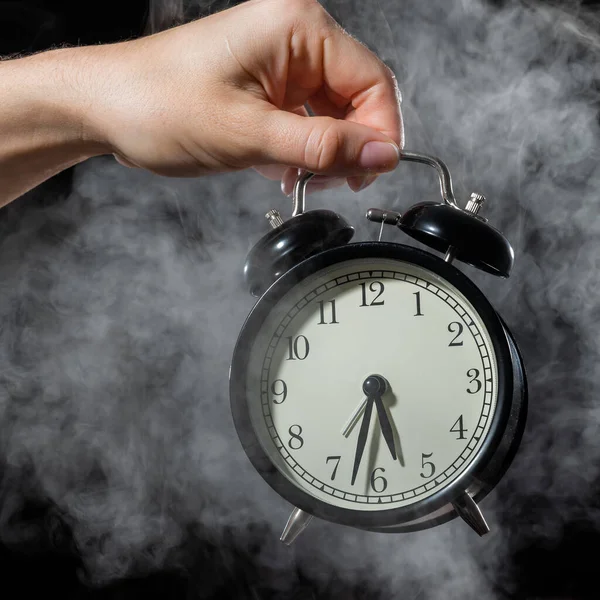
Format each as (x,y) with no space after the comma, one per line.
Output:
(373,384)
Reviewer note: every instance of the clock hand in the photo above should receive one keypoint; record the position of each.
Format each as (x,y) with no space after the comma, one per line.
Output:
(373,387)
(362,437)
(376,386)
(386,426)
(351,422)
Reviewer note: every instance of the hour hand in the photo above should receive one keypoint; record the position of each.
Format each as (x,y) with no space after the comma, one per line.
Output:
(386,426)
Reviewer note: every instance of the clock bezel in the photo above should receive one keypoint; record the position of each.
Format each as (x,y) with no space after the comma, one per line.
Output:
(241,411)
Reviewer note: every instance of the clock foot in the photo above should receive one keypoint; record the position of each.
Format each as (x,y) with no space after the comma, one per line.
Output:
(450,254)
(470,513)
(295,525)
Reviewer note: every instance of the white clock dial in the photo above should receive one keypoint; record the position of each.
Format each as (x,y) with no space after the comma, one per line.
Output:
(320,343)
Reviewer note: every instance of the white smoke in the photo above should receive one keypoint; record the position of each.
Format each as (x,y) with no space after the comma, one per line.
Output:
(121,304)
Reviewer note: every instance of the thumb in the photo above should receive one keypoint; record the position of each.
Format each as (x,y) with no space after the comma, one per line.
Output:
(326,146)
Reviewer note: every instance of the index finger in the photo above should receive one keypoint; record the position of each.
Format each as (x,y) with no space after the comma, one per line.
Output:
(356,77)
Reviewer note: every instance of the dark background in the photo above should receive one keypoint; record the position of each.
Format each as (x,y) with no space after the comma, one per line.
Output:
(29,26)
(42,559)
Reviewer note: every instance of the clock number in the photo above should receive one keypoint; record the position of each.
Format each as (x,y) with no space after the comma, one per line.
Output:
(337,464)
(474,374)
(427,464)
(375,287)
(459,428)
(323,321)
(418,297)
(296,441)
(455,327)
(379,481)
(279,396)
(298,347)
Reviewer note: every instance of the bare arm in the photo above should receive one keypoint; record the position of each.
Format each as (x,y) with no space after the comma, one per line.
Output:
(225,93)
(41,130)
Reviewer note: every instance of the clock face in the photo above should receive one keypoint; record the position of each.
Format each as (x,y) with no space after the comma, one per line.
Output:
(395,326)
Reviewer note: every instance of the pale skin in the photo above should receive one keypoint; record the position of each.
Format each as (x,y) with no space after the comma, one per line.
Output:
(225,93)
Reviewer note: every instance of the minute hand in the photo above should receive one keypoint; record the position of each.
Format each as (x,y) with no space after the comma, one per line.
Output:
(362,436)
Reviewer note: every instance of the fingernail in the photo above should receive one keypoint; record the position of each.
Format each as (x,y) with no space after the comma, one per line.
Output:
(379,156)
(359,183)
(289,180)
(286,187)
(369,180)
(356,182)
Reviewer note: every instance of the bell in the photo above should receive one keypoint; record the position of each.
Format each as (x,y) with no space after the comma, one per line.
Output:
(463,234)
(290,243)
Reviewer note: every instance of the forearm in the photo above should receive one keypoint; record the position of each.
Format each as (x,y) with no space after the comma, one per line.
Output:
(42,111)
(220,94)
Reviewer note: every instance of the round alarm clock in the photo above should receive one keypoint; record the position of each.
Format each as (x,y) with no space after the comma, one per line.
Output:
(373,384)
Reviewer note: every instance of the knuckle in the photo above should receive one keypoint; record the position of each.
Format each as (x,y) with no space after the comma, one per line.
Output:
(302,9)
(323,148)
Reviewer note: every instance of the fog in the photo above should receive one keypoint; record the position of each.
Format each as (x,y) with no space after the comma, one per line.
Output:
(121,304)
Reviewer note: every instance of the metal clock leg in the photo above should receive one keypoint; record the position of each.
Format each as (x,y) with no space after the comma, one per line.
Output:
(470,513)
(295,525)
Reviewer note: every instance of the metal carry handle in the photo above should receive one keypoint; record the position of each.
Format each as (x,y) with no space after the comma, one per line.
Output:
(299,195)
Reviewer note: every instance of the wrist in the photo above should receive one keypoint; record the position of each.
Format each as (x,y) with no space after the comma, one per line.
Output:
(54,100)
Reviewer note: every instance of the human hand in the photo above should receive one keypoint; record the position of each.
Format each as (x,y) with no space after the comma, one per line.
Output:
(227,92)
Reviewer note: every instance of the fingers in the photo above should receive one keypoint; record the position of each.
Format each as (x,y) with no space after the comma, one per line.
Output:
(281,171)
(337,74)
(318,183)
(353,74)
(324,145)
(323,103)
(347,80)
(358,130)
(358,184)
(273,172)
(288,175)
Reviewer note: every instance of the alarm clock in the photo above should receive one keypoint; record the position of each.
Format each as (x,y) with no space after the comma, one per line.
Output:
(373,384)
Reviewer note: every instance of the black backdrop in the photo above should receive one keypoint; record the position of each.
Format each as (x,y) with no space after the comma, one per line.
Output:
(29,26)
(50,565)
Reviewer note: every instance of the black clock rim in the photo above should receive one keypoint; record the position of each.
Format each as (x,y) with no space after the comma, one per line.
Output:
(241,412)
